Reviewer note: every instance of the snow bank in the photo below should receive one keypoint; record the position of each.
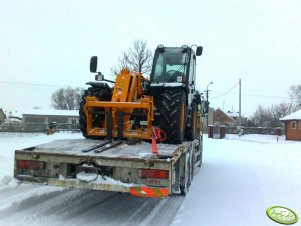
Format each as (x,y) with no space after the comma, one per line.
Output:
(240,178)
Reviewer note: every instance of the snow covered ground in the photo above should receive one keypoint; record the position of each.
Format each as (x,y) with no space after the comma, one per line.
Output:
(240,178)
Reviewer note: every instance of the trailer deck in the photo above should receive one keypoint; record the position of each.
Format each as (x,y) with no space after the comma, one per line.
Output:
(77,147)
(123,168)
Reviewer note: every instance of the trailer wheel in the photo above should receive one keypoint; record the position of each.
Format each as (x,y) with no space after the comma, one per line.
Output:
(102,93)
(199,149)
(186,181)
(190,132)
(173,115)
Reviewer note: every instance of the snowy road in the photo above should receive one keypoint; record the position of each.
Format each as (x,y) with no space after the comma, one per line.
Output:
(36,205)
(45,205)
(240,178)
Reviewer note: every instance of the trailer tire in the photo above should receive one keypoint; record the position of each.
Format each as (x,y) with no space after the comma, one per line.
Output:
(190,132)
(186,181)
(173,115)
(102,93)
(201,154)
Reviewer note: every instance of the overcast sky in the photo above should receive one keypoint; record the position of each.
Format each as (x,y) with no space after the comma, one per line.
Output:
(47,45)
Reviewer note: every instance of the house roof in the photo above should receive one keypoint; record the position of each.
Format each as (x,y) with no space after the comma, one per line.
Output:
(13,114)
(218,112)
(52,112)
(233,114)
(294,116)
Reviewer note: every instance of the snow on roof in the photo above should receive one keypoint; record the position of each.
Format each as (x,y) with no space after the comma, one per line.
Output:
(294,116)
(13,114)
(233,114)
(52,112)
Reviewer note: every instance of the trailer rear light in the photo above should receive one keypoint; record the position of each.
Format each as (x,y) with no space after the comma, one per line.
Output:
(156,174)
(25,164)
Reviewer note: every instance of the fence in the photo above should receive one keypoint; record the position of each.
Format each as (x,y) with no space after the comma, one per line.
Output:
(36,128)
(256,130)
(221,131)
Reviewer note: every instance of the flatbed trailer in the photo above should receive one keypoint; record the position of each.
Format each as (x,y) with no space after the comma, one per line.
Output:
(118,166)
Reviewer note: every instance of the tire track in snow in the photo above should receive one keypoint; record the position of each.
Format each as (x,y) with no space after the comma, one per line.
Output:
(23,192)
(45,205)
(164,213)
(119,209)
(20,210)
(46,209)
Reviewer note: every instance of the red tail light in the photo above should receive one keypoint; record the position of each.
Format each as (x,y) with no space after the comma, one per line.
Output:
(24,164)
(156,174)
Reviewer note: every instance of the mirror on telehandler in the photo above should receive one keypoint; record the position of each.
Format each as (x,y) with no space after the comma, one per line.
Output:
(199,50)
(99,76)
(93,64)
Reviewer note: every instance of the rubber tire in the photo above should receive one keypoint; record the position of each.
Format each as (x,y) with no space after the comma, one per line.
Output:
(102,94)
(201,153)
(172,120)
(190,132)
(184,188)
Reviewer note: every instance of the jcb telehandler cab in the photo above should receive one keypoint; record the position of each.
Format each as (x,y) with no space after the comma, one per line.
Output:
(177,103)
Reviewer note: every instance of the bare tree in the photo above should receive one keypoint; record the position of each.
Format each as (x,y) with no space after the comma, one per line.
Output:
(138,58)
(270,116)
(67,98)
(295,94)
(260,116)
(278,111)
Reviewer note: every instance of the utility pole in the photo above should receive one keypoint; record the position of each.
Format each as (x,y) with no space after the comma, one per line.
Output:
(239,119)
(207,97)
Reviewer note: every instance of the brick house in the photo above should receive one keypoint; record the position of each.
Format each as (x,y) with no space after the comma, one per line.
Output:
(220,118)
(293,125)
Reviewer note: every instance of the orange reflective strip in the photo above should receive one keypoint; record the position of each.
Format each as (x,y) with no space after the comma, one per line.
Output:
(149,192)
(165,192)
(134,191)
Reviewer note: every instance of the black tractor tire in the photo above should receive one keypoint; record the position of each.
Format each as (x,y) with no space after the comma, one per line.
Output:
(102,94)
(190,133)
(173,115)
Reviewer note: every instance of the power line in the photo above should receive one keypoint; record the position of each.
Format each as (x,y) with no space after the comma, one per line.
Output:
(268,96)
(31,84)
(247,94)
(226,92)
(56,85)
(259,95)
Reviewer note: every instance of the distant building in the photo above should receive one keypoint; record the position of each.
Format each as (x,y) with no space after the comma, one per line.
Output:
(220,118)
(235,117)
(208,119)
(2,116)
(48,116)
(293,125)
(13,116)
(231,119)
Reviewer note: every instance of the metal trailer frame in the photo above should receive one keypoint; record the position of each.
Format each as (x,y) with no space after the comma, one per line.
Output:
(126,162)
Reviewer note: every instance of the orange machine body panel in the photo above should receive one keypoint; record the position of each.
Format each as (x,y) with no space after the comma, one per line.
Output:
(127,98)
